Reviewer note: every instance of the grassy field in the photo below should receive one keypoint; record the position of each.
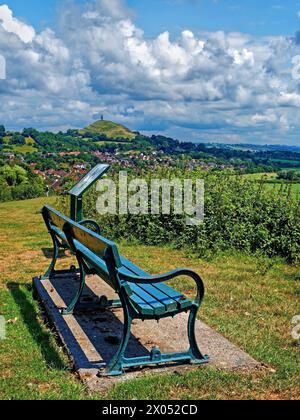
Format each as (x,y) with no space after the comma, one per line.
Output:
(251,300)
(269,182)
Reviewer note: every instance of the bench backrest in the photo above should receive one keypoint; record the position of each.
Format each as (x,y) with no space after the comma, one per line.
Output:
(54,218)
(97,252)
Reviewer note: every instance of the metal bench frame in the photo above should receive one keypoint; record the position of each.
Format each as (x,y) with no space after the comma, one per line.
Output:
(118,278)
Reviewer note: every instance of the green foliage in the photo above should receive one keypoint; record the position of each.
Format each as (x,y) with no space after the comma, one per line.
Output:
(291,176)
(13,175)
(18,139)
(18,183)
(239,215)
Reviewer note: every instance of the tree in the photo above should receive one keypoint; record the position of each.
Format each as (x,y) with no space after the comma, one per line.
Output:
(30,132)
(2,131)
(18,139)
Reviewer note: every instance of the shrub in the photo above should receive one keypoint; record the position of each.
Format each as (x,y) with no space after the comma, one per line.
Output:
(239,215)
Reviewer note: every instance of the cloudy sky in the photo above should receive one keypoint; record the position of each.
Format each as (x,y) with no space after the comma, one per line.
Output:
(200,70)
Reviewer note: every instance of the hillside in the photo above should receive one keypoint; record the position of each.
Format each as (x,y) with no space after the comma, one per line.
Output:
(18,144)
(252,308)
(110,129)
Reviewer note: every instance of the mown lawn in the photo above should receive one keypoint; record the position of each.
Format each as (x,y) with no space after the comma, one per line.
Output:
(250,300)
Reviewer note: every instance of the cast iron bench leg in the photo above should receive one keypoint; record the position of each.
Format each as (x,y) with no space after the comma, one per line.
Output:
(119,362)
(51,268)
(75,301)
(115,367)
(197,356)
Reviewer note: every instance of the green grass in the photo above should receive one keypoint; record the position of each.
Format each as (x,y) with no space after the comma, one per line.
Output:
(261,176)
(110,129)
(285,187)
(24,149)
(251,300)
(273,185)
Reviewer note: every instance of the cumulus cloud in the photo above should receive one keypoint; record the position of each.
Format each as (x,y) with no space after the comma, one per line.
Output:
(12,25)
(211,85)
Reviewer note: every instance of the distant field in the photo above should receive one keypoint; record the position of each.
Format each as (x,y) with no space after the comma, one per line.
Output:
(260,176)
(285,168)
(272,186)
(24,149)
(105,143)
(293,162)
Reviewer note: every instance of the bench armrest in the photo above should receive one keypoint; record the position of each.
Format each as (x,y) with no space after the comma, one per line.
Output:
(91,222)
(167,277)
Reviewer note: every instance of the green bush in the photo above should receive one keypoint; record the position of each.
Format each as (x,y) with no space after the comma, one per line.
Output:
(17,183)
(239,215)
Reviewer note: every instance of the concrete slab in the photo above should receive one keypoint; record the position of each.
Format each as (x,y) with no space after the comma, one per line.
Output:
(91,338)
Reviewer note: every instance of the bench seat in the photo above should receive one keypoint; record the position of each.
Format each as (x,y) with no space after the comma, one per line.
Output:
(153,299)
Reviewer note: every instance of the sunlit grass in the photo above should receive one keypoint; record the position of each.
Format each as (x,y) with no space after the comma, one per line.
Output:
(251,300)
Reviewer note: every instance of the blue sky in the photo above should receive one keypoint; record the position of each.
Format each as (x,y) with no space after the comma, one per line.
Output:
(200,70)
(259,17)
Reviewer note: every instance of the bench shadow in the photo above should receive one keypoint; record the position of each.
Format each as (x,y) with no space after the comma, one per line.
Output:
(30,318)
(48,253)
(102,327)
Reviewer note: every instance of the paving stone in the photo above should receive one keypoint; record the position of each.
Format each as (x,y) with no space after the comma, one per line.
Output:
(91,338)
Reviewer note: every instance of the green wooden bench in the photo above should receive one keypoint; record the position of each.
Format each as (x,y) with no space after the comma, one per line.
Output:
(141,295)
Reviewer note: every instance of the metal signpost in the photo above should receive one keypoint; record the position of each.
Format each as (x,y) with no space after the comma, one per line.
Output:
(76,193)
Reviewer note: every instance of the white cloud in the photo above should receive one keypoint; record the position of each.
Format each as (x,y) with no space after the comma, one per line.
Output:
(227,86)
(10,24)
(271,118)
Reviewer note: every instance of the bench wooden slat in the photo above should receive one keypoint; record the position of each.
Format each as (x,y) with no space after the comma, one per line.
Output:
(138,290)
(95,243)
(141,306)
(59,233)
(181,301)
(171,298)
(169,303)
(160,292)
(158,307)
(94,262)
(57,219)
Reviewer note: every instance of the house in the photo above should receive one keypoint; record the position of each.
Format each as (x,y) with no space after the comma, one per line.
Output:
(9,156)
(62,154)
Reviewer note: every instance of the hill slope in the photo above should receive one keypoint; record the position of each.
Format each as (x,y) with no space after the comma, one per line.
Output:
(23,236)
(110,129)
